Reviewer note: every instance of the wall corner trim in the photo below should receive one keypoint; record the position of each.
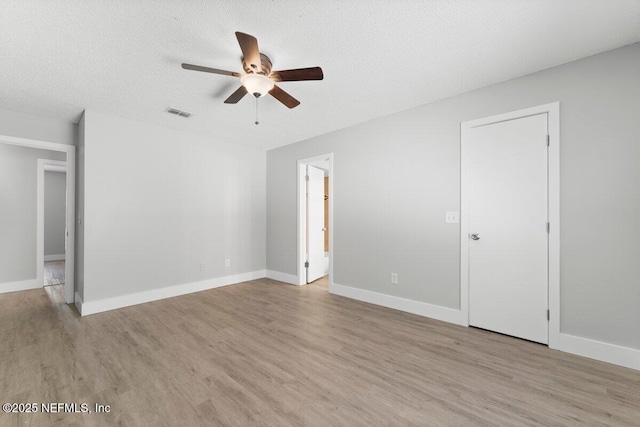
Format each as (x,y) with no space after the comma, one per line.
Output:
(78,303)
(282,277)
(92,307)
(437,312)
(599,350)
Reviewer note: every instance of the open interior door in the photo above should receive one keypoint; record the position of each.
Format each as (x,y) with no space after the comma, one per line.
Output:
(315,223)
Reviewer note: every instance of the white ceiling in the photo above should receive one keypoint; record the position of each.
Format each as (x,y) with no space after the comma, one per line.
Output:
(379,57)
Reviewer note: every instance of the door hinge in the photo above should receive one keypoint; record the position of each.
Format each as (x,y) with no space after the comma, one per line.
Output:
(306,264)
(548,143)
(306,178)
(548,228)
(548,315)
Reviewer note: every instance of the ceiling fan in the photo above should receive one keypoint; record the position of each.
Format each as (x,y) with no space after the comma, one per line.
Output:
(258,79)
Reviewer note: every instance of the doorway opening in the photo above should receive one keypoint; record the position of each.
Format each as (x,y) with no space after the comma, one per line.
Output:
(315,219)
(52,231)
(54,228)
(66,293)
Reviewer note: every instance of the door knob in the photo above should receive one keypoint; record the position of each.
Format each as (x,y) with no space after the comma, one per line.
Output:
(475,236)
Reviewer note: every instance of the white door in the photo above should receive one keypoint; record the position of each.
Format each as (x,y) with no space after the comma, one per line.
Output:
(315,223)
(508,214)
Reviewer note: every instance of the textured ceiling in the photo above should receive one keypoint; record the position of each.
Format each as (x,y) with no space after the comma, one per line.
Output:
(379,57)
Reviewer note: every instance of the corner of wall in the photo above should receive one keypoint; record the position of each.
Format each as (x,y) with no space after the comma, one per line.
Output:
(79,256)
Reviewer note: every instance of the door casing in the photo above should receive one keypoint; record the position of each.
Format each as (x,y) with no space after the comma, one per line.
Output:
(553,114)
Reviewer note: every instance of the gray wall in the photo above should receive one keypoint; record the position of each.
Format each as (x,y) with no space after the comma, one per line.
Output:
(18,184)
(55,199)
(158,203)
(40,128)
(396,176)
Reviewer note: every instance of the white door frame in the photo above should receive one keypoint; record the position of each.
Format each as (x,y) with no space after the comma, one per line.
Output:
(302,214)
(70,151)
(553,182)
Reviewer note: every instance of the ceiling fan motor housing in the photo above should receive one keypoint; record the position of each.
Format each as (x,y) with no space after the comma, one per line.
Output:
(253,68)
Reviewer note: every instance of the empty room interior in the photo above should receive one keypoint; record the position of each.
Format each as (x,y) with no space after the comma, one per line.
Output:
(297,213)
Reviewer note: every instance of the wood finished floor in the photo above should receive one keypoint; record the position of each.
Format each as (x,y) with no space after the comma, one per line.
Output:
(54,273)
(264,353)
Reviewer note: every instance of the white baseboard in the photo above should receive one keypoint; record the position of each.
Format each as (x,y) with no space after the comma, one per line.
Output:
(93,307)
(78,303)
(282,277)
(598,350)
(416,307)
(22,285)
(58,257)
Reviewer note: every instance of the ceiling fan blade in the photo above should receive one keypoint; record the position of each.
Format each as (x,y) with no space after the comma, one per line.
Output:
(210,70)
(250,51)
(236,96)
(313,73)
(284,97)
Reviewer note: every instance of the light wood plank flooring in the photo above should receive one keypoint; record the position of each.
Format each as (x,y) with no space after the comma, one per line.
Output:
(54,273)
(265,353)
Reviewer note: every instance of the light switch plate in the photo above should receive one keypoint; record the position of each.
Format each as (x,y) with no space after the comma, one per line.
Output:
(452,217)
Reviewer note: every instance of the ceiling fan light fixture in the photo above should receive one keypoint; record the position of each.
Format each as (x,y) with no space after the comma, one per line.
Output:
(257,84)
(258,79)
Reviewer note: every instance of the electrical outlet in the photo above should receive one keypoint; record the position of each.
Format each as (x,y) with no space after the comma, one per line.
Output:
(394,278)
(227,263)
(452,217)
(201,267)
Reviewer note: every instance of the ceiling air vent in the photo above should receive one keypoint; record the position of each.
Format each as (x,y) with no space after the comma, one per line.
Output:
(178,112)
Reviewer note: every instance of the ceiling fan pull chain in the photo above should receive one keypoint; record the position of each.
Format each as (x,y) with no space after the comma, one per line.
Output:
(257,122)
